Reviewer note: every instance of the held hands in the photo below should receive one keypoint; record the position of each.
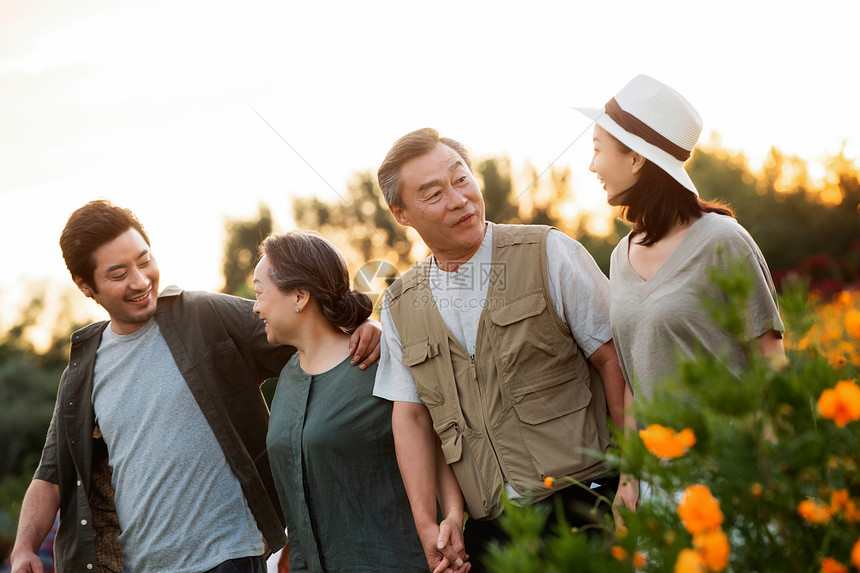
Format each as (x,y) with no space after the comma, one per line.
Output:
(627,496)
(364,343)
(444,548)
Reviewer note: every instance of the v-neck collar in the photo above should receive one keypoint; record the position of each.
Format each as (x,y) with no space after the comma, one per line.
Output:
(644,287)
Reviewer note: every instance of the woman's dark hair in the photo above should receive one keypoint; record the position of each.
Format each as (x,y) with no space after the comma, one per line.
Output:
(90,227)
(305,260)
(657,202)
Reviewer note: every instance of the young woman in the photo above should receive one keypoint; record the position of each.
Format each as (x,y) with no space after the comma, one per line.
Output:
(659,272)
(330,443)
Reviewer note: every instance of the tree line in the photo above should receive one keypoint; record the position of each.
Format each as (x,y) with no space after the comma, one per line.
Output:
(805,227)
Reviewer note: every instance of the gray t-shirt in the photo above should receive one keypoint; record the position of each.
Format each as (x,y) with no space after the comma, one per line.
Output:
(655,321)
(579,292)
(180,507)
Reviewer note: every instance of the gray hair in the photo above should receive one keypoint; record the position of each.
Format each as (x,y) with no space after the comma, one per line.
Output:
(410,146)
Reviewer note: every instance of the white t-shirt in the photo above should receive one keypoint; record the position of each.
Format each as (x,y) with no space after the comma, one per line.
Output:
(579,292)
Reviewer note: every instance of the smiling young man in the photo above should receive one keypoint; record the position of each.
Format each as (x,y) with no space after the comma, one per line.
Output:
(156,453)
(491,350)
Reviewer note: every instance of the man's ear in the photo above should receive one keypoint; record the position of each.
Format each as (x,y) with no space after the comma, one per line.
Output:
(638,162)
(400,215)
(83,287)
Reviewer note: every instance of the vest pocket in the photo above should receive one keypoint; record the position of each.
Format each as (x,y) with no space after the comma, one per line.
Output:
(416,357)
(555,415)
(520,341)
(476,470)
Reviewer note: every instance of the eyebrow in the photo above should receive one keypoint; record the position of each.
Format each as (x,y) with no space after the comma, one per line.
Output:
(438,182)
(143,253)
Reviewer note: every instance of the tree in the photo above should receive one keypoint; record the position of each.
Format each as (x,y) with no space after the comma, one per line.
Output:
(240,251)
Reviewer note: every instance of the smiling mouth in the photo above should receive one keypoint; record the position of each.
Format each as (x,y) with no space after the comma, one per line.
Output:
(141,297)
(462,220)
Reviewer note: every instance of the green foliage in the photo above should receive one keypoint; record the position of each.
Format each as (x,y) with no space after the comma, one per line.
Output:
(761,448)
(361,225)
(798,225)
(240,251)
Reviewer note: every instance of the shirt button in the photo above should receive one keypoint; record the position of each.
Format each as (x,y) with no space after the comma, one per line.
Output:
(79,483)
(89,565)
(83,522)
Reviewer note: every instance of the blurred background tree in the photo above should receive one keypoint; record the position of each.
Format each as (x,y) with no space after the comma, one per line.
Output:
(360,224)
(240,251)
(805,225)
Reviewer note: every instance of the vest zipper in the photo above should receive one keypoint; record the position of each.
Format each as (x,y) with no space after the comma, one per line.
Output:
(473,370)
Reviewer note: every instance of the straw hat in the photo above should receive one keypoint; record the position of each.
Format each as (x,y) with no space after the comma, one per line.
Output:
(653,120)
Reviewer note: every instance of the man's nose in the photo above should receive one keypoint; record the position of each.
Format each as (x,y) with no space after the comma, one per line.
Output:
(456,199)
(138,280)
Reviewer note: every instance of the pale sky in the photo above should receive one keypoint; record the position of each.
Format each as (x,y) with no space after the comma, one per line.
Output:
(152,105)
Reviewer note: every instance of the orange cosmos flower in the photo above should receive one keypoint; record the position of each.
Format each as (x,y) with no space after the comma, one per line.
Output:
(814,512)
(831,565)
(852,323)
(714,548)
(689,561)
(618,552)
(841,404)
(855,555)
(665,443)
(639,559)
(699,510)
(548,481)
(839,499)
(852,513)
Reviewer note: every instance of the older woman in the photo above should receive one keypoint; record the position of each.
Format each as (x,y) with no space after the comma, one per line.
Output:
(330,443)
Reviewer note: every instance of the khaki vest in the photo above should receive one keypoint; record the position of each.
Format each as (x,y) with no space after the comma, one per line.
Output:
(528,403)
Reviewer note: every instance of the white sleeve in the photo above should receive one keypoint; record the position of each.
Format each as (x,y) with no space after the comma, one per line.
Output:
(579,290)
(394,381)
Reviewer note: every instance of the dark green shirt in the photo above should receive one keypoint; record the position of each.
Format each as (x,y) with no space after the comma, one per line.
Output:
(332,454)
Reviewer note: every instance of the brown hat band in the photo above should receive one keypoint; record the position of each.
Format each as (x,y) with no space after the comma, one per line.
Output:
(632,124)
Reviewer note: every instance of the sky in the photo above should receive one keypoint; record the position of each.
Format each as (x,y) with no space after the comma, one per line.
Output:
(190,112)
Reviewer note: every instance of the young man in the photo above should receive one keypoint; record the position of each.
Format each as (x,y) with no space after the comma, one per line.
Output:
(155,456)
(494,342)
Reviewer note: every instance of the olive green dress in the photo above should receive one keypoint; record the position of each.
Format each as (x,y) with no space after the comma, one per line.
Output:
(332,455)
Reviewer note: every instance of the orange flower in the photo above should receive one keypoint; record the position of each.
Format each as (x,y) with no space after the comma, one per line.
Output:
(814,512)
(855,555)
(618,552)
(699,510)
(689,561)
(852,323)
(831,565)
(665,443)
(841,404)
(756,489)
(839,499)
(548,481)
(714,548)
(852,513)
(639,559)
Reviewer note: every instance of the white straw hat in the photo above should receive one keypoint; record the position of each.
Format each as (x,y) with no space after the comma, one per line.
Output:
(653,120)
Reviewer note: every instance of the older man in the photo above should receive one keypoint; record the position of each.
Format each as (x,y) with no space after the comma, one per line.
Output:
(495,342)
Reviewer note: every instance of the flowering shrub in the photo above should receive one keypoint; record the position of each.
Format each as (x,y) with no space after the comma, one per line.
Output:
(752,473)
